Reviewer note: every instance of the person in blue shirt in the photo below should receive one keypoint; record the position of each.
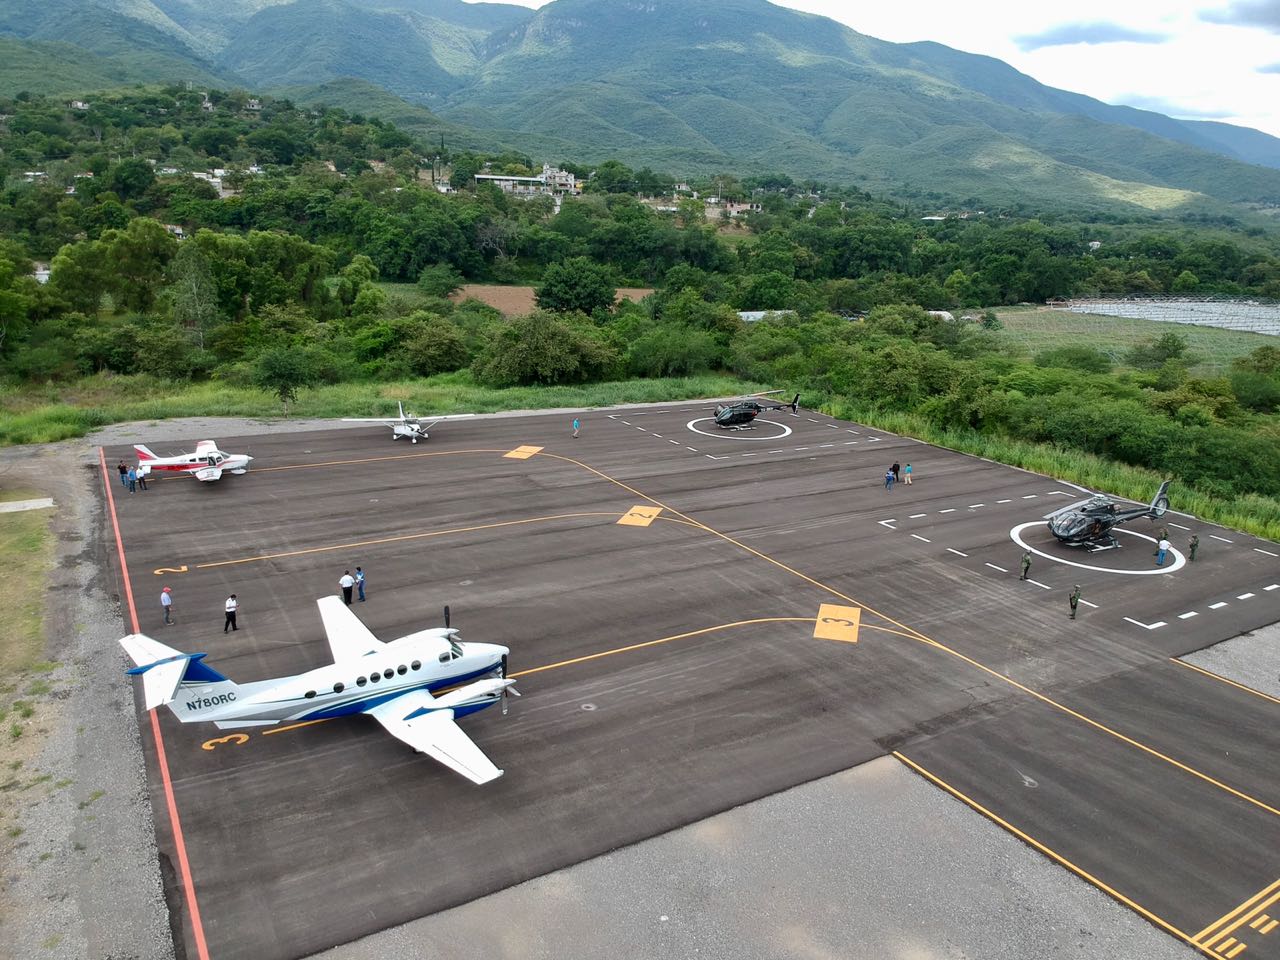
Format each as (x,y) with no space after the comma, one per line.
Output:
(576,427)
(360,584)
(133,480)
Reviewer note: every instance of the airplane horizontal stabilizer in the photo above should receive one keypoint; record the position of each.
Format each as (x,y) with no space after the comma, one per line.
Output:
(163,668)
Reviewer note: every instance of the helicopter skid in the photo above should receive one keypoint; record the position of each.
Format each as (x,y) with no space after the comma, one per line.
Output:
(1111,544)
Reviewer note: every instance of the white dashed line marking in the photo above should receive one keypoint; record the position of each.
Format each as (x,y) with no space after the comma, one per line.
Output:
(1088,604)
(642,429)
(847,442)
(1004,501)
(975,506)
(1030,496)
(775,451)
(627,422)
(854,432)
(994,567)
(873,438)
(826,445)
(1223,539)
(811,420)
(613,416)
(1218,606)
(1057,493)
(948,510)
(925,539)
(676,442)
(956,552)
(691,449)
(1244,596)
(1178,525)
(658,435)
(1145,626)
(887,523)
(1042,586)
(710,457)
(1267,552)
(832,426)
(798,449)
(1187,616)
(1274,586)
(751,454)
(917,516)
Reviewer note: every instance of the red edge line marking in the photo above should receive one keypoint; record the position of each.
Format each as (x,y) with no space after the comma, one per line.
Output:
(180,845)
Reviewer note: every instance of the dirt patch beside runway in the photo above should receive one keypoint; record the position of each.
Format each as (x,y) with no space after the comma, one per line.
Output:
(515,301)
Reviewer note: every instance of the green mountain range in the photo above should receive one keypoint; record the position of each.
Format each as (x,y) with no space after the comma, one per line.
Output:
(688,86)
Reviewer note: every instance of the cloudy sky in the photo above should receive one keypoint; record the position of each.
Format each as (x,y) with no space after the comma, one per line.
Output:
(1211,59)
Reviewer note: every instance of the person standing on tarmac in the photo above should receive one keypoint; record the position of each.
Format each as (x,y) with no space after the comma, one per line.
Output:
(1074,600)
(346,583)
(1026,564)
(232,606)
(1192,547)
(166,602)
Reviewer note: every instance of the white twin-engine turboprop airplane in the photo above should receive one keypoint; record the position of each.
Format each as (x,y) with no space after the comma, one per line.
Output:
(393,682)
(407,425)
(207,463)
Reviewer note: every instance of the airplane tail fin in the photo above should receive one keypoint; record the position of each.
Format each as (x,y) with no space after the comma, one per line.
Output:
(182,681)
(1160,502)
(400,404)
(144,452)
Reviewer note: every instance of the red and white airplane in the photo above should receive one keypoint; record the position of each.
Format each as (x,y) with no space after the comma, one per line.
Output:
(207,463)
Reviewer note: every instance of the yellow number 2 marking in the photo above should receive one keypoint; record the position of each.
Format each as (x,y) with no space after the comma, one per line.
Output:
(161,571)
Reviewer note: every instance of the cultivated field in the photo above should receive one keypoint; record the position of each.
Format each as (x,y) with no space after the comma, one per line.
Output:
(1037,329)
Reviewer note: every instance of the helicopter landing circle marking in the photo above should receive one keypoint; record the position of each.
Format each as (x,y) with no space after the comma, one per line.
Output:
(737,434)
(1179,561)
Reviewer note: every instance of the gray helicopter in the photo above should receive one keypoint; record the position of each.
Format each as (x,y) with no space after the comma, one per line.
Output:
(1088,522)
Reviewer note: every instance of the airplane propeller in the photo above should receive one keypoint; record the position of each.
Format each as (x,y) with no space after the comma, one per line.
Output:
(453,644)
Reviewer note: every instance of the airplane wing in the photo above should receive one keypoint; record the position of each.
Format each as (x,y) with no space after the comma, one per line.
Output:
(371,420)
(348,637)
(432,421)
(208,473)
(435,734)
(206,447)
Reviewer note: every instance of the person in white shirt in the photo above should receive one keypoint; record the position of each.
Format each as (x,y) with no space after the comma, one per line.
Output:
(346,583)
(166,601)
(232,605)
(1161,550)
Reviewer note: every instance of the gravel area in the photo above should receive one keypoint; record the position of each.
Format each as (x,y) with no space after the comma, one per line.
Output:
(81,877)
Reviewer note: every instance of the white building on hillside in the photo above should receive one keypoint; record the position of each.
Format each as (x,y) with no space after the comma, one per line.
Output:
(551,182)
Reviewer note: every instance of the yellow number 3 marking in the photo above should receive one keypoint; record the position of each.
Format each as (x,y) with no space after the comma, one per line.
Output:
(239,739)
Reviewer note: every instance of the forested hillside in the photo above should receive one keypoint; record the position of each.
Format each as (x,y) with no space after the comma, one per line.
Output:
(261,244)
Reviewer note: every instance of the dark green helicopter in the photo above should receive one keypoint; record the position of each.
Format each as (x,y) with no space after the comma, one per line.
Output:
(739,414)
(1088,523)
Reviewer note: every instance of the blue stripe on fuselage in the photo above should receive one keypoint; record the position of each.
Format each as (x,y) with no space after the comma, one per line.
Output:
(376,697)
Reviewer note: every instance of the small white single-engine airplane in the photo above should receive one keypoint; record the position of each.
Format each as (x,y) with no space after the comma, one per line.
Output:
(207,463)
(393,682)
(407,425)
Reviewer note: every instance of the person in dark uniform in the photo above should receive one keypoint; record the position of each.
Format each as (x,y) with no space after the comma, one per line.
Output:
(1192,547)
(1074,600)
(1026,564)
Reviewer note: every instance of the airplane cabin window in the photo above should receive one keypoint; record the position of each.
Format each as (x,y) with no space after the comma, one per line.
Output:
(339,687)
(388,673)
(444,658)
(361,681)
(310,694)
(402,669)
(375,677)
(416,665)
